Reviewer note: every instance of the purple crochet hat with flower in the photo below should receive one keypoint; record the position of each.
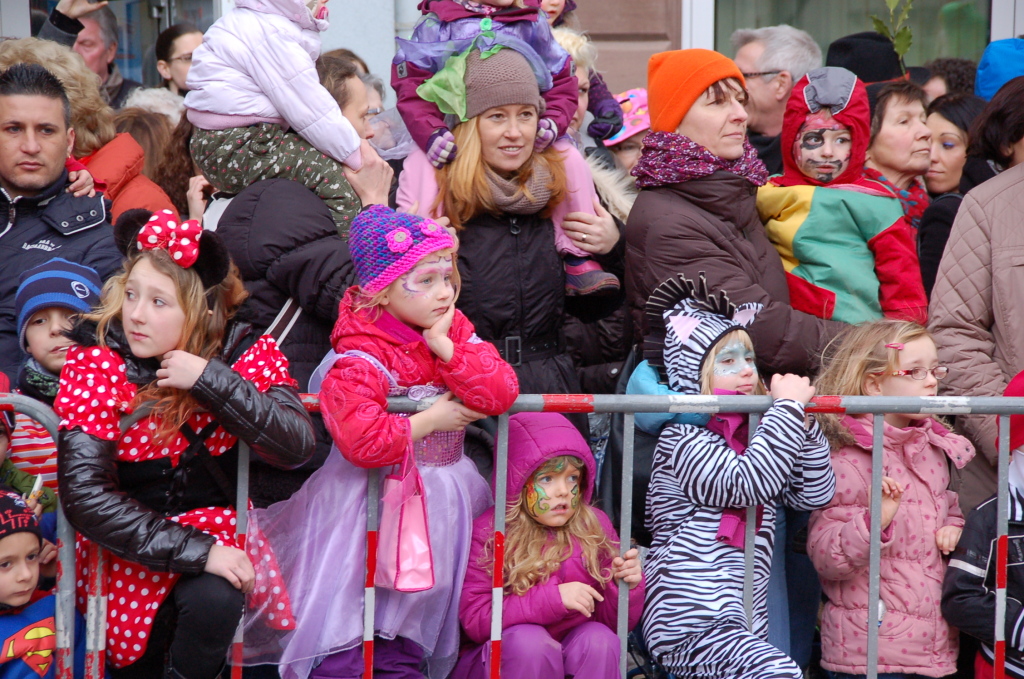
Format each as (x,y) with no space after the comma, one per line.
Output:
(386,244)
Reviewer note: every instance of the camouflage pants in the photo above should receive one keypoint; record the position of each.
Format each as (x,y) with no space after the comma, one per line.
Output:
(233,159)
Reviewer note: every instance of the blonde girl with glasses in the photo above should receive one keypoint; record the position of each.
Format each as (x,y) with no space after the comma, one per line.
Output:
(921,519)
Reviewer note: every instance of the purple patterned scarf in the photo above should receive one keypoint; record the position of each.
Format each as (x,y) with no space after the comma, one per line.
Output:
(670,158)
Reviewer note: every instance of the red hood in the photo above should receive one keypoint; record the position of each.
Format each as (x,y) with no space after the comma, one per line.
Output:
(449,10)
(856,115)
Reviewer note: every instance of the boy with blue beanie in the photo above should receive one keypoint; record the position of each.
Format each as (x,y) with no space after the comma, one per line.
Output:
(48,297)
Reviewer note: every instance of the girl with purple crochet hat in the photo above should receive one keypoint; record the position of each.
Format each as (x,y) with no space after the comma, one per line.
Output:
(398,334)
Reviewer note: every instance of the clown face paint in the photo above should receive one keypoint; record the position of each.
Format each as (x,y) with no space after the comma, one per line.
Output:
(822,147)
(422,296)
(552,497)
(735,368)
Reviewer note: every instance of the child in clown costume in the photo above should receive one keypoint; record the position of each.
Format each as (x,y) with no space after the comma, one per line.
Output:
(848,251)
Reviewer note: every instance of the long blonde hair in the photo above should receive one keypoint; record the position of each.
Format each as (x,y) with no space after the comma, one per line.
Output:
(202,333)
(534,551)
(91,117)
(464,190)
(853,355)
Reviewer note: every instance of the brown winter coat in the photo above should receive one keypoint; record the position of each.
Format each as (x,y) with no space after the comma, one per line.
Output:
(711,225)
(976,314)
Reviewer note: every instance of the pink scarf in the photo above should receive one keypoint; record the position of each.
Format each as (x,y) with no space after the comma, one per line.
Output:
(734,428)
(670,158)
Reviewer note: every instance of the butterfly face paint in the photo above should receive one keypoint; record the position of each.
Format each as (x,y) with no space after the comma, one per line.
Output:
(553,494)
(822,147)
(735,368)
(423,295)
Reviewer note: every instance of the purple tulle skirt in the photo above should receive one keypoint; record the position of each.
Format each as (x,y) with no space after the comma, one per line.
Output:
(318,537)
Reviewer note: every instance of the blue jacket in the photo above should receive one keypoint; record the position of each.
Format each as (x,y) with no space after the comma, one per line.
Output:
(644,381)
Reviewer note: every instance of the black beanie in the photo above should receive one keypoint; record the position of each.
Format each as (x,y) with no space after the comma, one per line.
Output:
(869,55)
(15,516)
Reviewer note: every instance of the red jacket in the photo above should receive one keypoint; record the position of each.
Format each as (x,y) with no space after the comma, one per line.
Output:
(118,164)
(353,398)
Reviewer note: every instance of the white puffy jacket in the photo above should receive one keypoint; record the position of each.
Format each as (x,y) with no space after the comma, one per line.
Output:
(257,64)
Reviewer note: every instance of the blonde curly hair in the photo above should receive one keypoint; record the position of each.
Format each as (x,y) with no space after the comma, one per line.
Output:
(91,118)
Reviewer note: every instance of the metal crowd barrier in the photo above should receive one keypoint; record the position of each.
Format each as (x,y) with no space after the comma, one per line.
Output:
(570,403)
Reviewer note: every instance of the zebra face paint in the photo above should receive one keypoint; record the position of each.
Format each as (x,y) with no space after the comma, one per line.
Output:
(552,496)
(735,368)
(822,147)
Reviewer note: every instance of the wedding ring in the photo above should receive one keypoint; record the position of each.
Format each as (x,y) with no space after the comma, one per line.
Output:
(583,238)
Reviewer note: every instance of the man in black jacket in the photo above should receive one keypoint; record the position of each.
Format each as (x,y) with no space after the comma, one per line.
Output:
(39,220)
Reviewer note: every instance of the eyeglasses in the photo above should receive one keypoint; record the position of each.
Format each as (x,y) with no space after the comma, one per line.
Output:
(754,75)
(185,58)
(370,112)
(920,373)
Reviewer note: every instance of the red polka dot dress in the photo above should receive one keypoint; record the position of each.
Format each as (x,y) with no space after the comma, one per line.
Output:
(94,395)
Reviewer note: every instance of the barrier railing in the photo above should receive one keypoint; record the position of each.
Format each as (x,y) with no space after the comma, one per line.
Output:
(576,403)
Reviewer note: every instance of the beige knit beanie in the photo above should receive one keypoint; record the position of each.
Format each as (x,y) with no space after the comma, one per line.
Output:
(501,79)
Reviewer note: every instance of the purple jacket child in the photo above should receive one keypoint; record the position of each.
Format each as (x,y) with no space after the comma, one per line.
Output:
(448,28)
(540,637)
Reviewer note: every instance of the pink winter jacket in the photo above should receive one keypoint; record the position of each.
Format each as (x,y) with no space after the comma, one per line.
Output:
(257,65)
(913,637)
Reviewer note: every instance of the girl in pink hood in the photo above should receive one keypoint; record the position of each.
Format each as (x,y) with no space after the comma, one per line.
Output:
(921,520)
(561,569)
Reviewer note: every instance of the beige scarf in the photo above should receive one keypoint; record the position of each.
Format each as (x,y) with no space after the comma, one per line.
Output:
(512,197)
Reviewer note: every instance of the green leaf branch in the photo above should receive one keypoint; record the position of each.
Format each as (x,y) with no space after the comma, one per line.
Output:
(897,30)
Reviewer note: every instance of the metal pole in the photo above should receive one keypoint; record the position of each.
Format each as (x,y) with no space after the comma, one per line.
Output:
(875,558)
(625,536)
(1002,544)
(369,591)
(96,614)
(749,546)
(498,584)
(241,529)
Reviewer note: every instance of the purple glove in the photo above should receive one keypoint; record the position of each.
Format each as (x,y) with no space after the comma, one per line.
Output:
(547,132)
(605,126)
(441,148)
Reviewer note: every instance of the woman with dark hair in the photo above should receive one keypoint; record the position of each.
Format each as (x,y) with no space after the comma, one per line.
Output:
(900,149)
(949,118)
(174,47)
(975,306)
(998,133)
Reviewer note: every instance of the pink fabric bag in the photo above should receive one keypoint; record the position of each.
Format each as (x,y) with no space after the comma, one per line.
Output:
(404,559)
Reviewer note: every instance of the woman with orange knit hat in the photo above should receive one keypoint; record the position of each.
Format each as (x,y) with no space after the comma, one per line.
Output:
(696,212)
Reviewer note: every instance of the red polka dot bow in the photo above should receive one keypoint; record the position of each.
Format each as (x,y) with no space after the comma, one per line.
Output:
(163,231)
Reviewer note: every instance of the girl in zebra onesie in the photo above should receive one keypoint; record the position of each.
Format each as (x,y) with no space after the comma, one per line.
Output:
(704,477)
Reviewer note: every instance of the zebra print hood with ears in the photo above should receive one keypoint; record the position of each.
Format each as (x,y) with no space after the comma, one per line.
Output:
(686,321)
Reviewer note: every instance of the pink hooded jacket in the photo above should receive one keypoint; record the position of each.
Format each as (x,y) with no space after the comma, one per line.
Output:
(535,438)
(913,637)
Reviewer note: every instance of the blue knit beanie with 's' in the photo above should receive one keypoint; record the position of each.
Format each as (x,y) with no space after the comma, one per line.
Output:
(57,283)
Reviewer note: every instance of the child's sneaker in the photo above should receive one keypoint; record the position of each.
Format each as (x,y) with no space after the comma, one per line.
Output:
(584,276)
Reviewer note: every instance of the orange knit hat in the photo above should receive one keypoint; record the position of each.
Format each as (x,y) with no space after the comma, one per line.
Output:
(676,79)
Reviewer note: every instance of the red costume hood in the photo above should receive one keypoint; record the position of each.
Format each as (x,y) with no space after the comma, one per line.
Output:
(844,94)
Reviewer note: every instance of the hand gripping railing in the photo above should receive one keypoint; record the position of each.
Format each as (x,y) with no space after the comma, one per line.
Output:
(576,403)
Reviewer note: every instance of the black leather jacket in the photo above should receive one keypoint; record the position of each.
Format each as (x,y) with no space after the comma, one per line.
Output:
(124,506)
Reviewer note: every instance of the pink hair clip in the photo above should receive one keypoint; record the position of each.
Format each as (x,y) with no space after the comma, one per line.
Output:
(898,346)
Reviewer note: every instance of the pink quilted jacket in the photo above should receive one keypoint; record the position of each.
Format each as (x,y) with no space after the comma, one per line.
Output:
(976,315)
(913,637)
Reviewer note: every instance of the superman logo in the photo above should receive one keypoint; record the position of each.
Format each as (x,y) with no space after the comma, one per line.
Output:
(34,645)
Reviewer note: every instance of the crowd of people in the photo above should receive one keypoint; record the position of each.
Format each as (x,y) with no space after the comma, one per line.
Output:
(198,254)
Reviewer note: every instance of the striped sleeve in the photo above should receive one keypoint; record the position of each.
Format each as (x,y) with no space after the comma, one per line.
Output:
(33,450)
(812,484)
(712,474)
